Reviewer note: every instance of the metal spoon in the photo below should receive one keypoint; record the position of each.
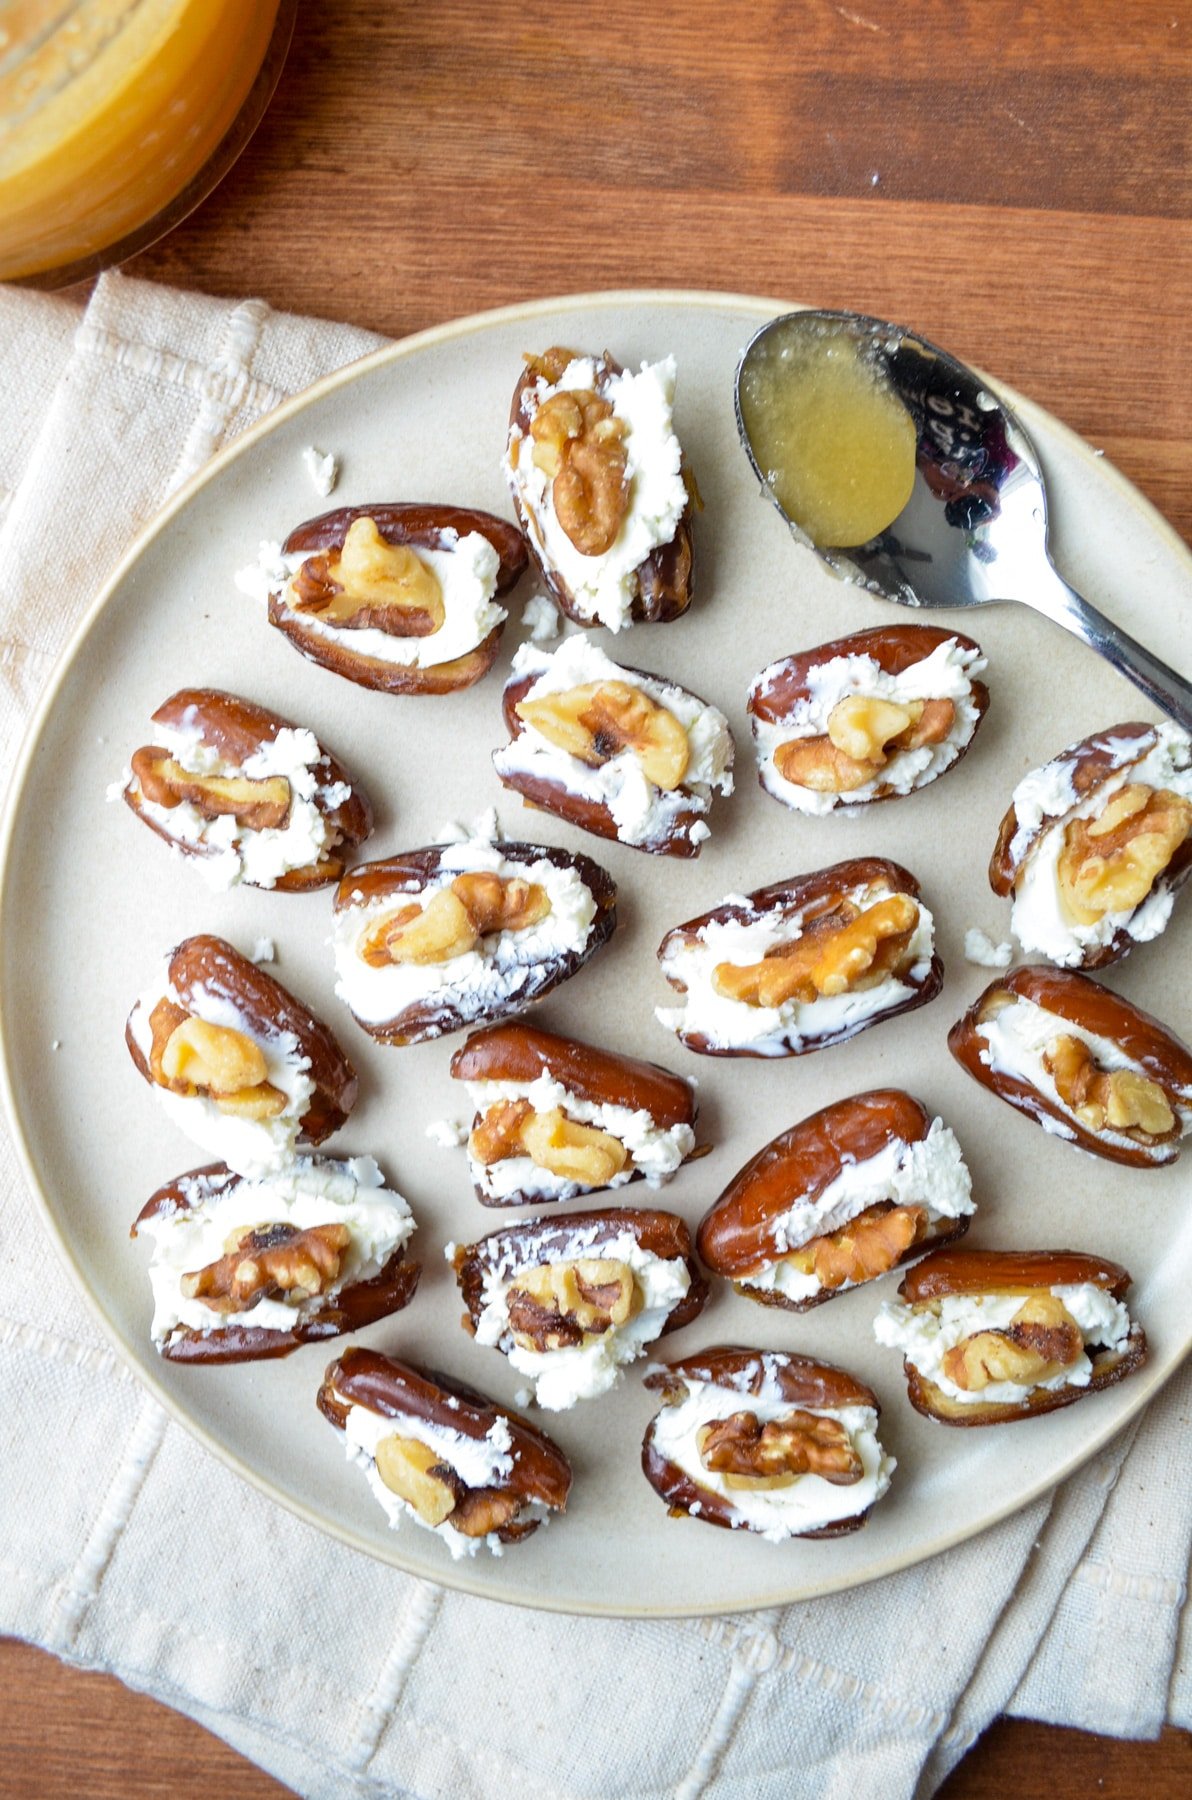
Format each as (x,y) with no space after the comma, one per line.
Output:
(974,530)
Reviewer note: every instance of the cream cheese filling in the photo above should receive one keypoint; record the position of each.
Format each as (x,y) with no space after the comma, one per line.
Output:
(924,1336)
(769,1029)
(643,813)
(605,587)
(466,569)
(303,1194)
(809,1502)
(946,674)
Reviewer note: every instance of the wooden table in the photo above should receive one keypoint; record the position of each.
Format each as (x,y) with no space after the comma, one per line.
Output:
(1012,179)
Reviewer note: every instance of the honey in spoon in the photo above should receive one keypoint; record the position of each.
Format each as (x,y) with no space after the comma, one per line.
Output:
(835,443)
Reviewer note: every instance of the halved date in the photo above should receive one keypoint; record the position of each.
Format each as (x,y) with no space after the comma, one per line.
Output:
(437,1451)
(1086,1064)
(872,716)
(765,1441)
(617,751)
(453,935)
(840,1199)
(399,597)
(567,460)
(1097,843)
(990,1336)
(803,964)
(569,1301)
(243,1067)
(274,1262)
(296,814)
(556,1118)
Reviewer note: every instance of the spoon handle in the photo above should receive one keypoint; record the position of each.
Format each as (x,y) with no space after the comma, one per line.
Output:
(1161,685)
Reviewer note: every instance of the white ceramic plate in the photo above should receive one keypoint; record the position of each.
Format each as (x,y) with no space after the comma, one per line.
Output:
(91,900)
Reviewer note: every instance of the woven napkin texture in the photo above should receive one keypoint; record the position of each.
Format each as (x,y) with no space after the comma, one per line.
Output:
(128,1548)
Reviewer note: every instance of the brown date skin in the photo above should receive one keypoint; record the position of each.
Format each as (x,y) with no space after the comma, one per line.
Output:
(519,1052)
(382,1384)
(803,1381)
(360,1304)
(237,728)
(407,522)
(535,1241)
(1075,999)
(665,577)
(735,1234)
(893,648)
(209,965)
(998,1271)
(807,896)
(413,870)
(579,809)
(1092,762)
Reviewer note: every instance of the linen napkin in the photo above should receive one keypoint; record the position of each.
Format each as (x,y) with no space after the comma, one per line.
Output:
(128,1548)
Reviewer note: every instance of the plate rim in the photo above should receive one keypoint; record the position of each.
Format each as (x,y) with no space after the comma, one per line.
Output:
(1146,1384)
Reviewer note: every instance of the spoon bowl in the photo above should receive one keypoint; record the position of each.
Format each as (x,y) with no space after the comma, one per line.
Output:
(974,529)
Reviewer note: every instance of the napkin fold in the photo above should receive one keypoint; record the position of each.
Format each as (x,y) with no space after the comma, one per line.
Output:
(129,1548)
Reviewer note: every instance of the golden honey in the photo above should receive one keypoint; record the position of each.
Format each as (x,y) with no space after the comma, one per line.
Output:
(108,110)
(833,440)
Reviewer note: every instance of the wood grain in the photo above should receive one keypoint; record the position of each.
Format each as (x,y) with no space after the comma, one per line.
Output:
(1012,179)
(68,1734)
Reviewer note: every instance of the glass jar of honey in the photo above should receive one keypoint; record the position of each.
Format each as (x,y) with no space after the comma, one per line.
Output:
(118,116)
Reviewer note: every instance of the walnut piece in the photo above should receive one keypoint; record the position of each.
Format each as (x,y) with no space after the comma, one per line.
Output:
(863,733)
(551,1140)
(561,1304)
(416,1474)
(256,805)
(876,1240)
(1111,862)
(755,1456)
(371,584)
(270,1262)
(838,952)
(603,718)
(1125,1099)
(1040,1342)
(191,1056)
(454,920)
(580,444)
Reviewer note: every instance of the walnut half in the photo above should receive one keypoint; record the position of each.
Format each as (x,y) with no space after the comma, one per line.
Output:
(863,733)
(598,721)
(1111,862)
(838,952)
(551,1140)
(270,1262)
(1125,1100)
(190,1056)
(751,1455)
(558,1305)
(255,805)
(875,1241)
(454,920)
(371,584)
(1040,1342)
(580,444)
